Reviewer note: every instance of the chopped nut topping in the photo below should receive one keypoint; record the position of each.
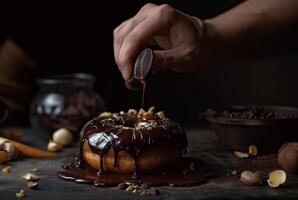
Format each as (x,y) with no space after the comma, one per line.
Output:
(151,110)
(30,177)
(132,112)
(105,115)
(21,193)
(161,115)
(240,154)
(7,169)
(32,185)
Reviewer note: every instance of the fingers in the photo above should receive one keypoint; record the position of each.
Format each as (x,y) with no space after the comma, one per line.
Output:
(121,32)
(151,21)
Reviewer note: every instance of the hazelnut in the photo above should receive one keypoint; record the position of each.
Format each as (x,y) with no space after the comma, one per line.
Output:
(21,193)
(30,177)
(288,157)
(132,112)
(63,136)
(160,114)
(276,178)
(151,110)
(141,112)
(240,154)
(105,115)
(54,147)
(250,178)
(10,149)
(252,150)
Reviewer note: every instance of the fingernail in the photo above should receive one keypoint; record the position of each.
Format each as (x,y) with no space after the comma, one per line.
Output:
(125,73)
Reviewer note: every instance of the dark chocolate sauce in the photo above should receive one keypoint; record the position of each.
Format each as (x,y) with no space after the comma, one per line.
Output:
(132,133)
(189,172)
(144,84)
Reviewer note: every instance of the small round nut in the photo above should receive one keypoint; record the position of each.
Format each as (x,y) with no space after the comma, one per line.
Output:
(63,136)
(250,178)
(54,147)
(276,178)
(288,157)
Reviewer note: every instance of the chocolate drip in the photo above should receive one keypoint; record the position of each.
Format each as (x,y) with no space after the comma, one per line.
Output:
(130,133)
(101,170)
(144,84)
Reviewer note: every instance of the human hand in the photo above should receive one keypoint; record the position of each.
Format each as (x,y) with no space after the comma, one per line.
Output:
(178,34)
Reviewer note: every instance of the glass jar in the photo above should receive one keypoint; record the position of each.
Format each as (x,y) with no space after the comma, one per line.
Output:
(65,101)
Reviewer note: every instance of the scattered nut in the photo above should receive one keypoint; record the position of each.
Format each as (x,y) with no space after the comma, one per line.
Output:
(63,136)
(132,112)
(150,192)
(30,177)
(250,178)
(34,170)
(276,178)
(240,154)
(3,157)
(122,186)
(288,157)
(10,149)
(121,112)
(161,115)
(141,112)
(7,169)
(104,115)
(143,186)
(134,190)
(252,150)
(21,193)
(151,110)
(54,147)
(32,185)
(234,172)
(129,188)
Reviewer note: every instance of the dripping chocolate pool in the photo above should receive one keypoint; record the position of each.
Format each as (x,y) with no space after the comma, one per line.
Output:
(136,147)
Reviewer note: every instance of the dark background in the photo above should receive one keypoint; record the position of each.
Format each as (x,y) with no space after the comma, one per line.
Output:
(77,37)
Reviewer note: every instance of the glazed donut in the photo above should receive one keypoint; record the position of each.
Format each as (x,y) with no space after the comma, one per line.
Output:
(132,142)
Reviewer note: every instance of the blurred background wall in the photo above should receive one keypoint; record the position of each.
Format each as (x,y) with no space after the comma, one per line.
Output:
(77,37)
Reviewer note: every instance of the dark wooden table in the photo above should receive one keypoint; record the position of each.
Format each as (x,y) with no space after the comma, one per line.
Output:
(202,144)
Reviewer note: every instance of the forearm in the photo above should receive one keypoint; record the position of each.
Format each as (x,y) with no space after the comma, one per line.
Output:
(249,25)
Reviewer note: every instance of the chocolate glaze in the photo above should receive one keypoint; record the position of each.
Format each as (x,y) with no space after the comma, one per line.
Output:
(189,172)
(128,132)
